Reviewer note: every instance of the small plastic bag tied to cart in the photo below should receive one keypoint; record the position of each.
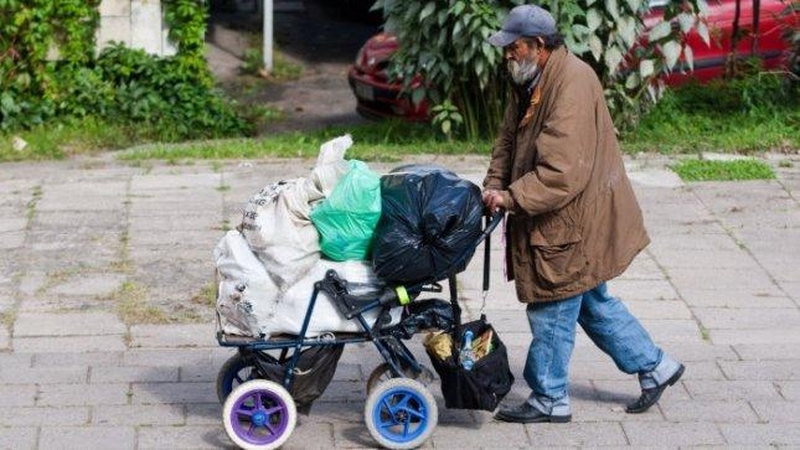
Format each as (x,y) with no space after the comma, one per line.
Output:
(489,380)
(346,219)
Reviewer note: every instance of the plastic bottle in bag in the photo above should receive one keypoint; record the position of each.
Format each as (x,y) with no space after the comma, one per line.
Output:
(466,357)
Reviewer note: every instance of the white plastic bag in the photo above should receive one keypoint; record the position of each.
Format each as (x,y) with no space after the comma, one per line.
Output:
(242,283)
(331,166)
(276,224)
(285,313)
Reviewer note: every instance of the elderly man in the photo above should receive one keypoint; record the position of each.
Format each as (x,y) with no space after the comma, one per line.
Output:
(573,221)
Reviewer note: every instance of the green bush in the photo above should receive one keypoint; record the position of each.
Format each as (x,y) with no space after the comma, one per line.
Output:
(444,42)
(163,94)
(158,98)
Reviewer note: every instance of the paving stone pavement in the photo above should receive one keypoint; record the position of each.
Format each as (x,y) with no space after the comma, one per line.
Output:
(83,241)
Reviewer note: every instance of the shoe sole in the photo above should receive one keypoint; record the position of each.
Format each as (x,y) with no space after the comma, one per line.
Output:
(672,380)
(541,419)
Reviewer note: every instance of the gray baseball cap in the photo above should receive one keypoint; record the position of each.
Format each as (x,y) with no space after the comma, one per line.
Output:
(524,20)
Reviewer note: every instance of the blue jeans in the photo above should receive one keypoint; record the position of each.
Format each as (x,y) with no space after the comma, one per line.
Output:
(608,324)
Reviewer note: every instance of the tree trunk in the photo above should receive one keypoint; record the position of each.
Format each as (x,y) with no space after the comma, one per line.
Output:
(756,17)
(730,70)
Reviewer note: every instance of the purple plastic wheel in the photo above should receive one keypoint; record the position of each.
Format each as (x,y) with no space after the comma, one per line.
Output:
(259,414)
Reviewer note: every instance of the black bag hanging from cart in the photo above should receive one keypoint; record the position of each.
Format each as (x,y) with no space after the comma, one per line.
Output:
(314,371)
(485,385)
(490,378)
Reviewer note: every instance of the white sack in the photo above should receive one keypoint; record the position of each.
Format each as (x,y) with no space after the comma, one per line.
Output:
(285,314)
(242,282)
(250,303)
(276,224)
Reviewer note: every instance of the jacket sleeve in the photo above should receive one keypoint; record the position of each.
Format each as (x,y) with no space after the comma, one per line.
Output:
(565,149)
(499,173)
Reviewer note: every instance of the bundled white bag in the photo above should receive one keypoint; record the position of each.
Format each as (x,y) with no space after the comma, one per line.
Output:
(251,304)
(285,313)
(276,220)
(331,166)
(242,283)
(276,224)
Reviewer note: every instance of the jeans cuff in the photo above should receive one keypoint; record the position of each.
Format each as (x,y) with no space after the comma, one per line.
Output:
(549,406)
(658,376)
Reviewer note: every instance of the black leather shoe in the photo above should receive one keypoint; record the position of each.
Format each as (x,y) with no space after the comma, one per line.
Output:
(526,413)
(650,396)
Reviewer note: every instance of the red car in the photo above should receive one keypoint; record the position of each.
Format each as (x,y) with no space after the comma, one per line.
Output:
(709,60)
(379,96)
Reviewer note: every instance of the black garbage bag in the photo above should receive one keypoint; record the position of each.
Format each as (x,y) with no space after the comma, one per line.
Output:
(423,315)
(314,371)
(429,220)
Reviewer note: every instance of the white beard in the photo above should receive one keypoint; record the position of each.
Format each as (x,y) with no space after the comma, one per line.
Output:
(523,72)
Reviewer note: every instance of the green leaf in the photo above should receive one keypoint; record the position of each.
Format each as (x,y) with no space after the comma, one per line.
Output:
(488,50)
(457,28)
(612,59)
(593,19)
(579,48)
(702,30)
(596,46)
(613,8)
(427,11)
(688,55)
(458,8)
(578,31)
(632,81)
(660,31)
(686,20)
(442,17)
(446,127)
(646,68)
(627,30)
(417,95)
(479,65)
(634,5)
(671,51)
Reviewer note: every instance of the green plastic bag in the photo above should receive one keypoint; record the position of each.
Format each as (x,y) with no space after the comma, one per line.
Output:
(347,218)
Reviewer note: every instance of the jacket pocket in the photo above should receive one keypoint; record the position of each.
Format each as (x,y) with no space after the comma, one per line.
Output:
(558,255)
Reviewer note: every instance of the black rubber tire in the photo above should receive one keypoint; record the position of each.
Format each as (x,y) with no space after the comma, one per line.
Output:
(234,372)
(383,372)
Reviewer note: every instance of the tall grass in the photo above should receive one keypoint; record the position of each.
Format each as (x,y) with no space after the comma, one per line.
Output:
(758,113)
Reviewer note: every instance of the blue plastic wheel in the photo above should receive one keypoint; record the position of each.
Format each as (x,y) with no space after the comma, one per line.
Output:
(401,413)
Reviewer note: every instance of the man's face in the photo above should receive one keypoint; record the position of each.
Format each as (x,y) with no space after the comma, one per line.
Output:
(522,60)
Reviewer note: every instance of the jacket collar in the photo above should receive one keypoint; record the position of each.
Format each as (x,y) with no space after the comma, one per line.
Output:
(554,66)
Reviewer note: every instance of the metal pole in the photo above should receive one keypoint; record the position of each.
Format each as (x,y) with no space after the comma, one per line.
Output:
(267,50)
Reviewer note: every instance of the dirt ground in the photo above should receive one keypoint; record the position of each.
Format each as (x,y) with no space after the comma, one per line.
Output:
(312,33)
